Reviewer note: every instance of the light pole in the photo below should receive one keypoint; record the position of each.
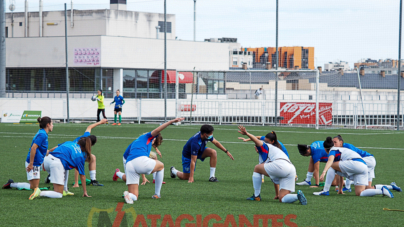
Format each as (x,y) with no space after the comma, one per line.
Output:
(194,20)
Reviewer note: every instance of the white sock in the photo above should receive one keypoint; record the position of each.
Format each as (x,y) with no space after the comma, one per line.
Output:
(92,174)
(134,198)
(289,198)
(20,185)
(329,179)
(175,171)
(371,192)
(159,182)
(348,183)
(154,175)
(309,176)
(66,179)
(257,181)
(212,171)
(120,174)
(380,186)
(51,194)
(263,176)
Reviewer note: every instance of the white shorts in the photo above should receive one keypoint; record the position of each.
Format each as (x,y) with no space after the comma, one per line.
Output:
(34,174)
(371,163)
(137,166)
(55,168)
(354,170)
(124,164)
(283,173)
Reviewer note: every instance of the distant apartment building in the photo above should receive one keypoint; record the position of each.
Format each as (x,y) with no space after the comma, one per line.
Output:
(334,66)
(388,66)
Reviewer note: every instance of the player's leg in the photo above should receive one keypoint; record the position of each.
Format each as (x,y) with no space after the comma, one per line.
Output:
(186,169)
(57,171)
(103,113)
(119,174)
(286,173)
(212,154)
(159,170)
(98,114)
(120,117)
(33,178)
(76,179)
(259,170)
(309,174)
(329,179)
(92,165)
(132,180)
(114,118)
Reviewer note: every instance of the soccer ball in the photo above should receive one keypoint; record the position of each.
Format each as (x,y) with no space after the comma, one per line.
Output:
(93,98)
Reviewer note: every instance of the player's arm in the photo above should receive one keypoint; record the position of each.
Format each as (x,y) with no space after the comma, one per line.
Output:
(112,102)
(157,151)
(103,121)
(248,139)
(144,179)
(220,146)
(316,173)
(51,150)
(340,184)
(156,131)
(192,168)
(32,157)
(276,191)
(243,131)
(83,183)
(327,166)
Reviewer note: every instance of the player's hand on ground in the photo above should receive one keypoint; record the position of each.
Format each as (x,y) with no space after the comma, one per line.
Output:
(230,156)
(244,139)
(145,181)
(30,167)
(191,180)
(314,186)
(340,192)
(242,130)
(86,195)
(276,197)
(322,177)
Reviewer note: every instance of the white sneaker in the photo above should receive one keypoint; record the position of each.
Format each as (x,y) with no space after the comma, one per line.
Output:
(323,193)
(127,197)
(304,183)
(387,192)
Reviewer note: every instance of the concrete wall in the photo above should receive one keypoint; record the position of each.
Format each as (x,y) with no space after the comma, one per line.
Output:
(118,52)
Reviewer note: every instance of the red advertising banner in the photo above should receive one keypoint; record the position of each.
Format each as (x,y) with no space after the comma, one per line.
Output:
(305,113)
(187,108)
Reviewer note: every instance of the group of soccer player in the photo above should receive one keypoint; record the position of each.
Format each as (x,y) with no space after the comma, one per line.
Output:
(342,160)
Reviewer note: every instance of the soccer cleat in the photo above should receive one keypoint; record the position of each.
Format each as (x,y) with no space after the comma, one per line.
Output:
(36,193)
(301,197)
(47,180)
(66,193)
(156,197)
(115,177)
(7,185)
(95,183)
(171,172)
(127,197)
(154,181)
(304,183)
(213,179)
(119,123)
(253,198)
(114,124)
(325,193)
(395,187)
(344,189)
(387,192)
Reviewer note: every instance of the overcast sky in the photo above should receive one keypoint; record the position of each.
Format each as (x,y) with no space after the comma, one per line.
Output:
(346,30)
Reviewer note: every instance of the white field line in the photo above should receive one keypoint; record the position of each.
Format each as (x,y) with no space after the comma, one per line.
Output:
(29,135)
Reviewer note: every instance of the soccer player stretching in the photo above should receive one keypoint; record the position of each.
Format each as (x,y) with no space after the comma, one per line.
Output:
(195,149)
(67,156)
(278,167)
(119,101)
(35,157)
(138,162)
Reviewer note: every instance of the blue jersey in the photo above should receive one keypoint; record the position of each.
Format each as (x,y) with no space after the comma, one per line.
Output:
(71,156)
(86,134)
(140,147)
(118,101)
(195,146)
(282,146)
(40,139)
(126,154)
(357,150)
(318,152)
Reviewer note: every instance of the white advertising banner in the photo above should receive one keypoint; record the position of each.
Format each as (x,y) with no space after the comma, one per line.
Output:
(10,116)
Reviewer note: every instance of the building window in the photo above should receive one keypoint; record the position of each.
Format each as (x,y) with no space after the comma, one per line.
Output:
(234,61)
(241,61)
(161,24)
(20,23)
(6,32)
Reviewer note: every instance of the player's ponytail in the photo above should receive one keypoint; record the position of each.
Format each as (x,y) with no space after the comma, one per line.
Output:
(328,143)
(157,142)
(44,121)
(273,139)
(85,145)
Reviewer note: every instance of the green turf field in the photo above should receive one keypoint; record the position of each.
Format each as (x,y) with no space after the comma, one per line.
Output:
(202,197)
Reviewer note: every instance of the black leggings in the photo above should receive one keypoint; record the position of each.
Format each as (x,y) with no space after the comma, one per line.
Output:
(98,114)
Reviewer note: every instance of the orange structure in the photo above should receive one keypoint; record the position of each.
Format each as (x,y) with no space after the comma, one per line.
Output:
(289,57)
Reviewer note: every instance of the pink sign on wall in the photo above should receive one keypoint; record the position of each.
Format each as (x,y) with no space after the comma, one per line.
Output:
(87,56)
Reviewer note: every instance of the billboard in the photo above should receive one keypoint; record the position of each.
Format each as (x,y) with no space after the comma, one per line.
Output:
(19,116)
(305,113)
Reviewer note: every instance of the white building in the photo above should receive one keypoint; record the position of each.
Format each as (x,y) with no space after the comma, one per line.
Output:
(332,66)
(109,49)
